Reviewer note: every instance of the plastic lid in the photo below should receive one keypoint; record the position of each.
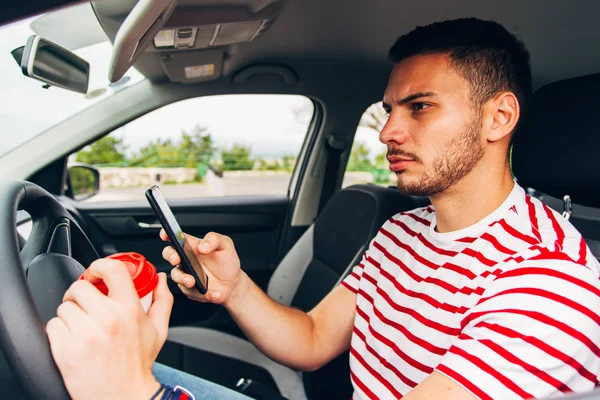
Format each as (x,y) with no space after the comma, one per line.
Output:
(141,270)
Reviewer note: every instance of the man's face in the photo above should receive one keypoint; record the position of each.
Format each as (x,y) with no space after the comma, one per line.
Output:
(433,133)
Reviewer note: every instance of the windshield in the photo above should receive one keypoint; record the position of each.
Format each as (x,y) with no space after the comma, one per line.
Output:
(26,107)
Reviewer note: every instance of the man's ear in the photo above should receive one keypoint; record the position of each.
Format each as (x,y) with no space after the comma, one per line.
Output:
(500,115)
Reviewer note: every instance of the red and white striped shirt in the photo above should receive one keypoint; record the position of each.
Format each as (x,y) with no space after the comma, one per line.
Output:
(507,308)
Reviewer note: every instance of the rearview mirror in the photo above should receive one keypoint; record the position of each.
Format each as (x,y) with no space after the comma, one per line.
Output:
(52,64)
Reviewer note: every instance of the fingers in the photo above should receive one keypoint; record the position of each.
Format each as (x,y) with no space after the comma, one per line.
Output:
(163,235)
(192,294)
(56,328)
(72,315)
(213,242)
(160,311)
(86,296)
(117,278)
(58,335)
(169,254)
(181,278)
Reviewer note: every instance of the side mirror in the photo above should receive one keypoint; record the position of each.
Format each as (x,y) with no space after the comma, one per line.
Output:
(48,62)
(83,181)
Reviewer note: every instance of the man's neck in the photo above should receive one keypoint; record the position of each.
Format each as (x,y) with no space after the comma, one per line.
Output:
(472,199)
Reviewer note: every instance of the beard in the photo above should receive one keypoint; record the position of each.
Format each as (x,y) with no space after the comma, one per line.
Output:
(451,164)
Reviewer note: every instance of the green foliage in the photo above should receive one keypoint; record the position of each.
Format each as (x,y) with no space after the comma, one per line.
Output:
(285,163)
(263,165)
(82,181)
(359,158)
(107,150)
(193,147)
(238,158)
(288,162)
(197,146)
(381,160)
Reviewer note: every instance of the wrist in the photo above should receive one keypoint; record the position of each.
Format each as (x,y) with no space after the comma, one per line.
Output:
(147,389)
(239,291)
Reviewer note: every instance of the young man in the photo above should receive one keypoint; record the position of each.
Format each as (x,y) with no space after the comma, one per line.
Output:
(486,293)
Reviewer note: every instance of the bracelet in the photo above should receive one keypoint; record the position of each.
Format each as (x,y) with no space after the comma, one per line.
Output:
(160,389)
(168,393)
(172,393)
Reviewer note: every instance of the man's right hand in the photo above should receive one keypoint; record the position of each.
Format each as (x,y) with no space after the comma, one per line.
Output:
(216,253)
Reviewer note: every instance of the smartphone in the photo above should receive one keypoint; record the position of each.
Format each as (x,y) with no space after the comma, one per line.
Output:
(189,262)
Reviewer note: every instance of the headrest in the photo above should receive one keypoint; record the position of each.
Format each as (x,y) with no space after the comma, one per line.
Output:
(557,150)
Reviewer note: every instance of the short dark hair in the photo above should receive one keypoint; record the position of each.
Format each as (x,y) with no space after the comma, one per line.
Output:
(489,57)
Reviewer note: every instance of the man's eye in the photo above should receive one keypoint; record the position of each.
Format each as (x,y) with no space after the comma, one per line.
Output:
(419,106)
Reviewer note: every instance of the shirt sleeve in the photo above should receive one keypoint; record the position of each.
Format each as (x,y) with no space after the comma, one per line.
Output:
(534,333)
(352,281)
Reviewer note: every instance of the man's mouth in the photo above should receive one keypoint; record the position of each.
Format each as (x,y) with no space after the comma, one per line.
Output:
(398,163)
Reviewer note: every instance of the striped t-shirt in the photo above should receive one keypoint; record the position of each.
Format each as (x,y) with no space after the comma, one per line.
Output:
(507,308)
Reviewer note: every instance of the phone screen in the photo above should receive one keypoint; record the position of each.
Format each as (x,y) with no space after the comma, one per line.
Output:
(198,271)
(160,200)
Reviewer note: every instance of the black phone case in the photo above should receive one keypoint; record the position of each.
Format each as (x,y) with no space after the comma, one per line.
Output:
(186,262)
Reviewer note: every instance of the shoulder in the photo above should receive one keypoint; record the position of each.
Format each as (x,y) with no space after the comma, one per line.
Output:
(419,217)
(535,228)
(552,287)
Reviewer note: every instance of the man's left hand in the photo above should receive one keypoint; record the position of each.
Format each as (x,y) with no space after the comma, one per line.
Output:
(105,346)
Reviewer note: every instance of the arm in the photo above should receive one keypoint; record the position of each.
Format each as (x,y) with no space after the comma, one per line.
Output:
(104,346)
(438,386)
(303,341)
(289,336)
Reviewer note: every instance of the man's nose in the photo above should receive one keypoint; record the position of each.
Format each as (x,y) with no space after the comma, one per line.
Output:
(394,131)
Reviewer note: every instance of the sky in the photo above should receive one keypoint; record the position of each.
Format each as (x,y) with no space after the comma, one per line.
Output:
(273,125)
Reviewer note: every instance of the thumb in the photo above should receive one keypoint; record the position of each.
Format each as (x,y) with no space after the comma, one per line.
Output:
(212,242)
(160,311)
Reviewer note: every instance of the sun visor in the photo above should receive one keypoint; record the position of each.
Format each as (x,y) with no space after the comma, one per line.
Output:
(193,66)
(204,28)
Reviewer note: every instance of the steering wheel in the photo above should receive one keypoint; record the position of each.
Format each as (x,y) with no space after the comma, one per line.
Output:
(33,282)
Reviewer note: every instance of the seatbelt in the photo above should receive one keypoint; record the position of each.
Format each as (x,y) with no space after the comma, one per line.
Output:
(335,147)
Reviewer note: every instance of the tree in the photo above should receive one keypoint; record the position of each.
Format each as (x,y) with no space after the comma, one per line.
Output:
(150,154)
(107,150)
(154,146)
(374,117)
(264,165)
(238,158)
(289,161)
(359,158)
(193,147)
(197,145)
(381,160)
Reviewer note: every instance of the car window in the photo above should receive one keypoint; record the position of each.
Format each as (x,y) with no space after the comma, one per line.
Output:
(367,162)
(227,145)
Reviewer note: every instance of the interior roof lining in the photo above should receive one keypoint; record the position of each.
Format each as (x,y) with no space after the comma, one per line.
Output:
(558,35)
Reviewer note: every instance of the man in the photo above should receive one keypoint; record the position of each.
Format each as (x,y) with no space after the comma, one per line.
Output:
(486,293)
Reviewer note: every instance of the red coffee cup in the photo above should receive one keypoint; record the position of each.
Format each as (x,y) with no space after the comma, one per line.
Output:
(142,272)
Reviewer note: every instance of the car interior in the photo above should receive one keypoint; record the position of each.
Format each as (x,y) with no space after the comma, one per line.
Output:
(299,244)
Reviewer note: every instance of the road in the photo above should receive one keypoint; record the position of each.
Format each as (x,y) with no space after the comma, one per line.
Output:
(214,187)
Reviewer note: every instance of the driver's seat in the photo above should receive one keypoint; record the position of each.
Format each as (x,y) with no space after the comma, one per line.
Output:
(322,256)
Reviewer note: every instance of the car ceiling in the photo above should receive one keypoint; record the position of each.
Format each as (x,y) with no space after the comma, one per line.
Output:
(314,36)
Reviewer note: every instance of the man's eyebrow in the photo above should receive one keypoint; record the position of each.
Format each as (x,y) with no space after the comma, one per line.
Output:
(408,99)
(415,96)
